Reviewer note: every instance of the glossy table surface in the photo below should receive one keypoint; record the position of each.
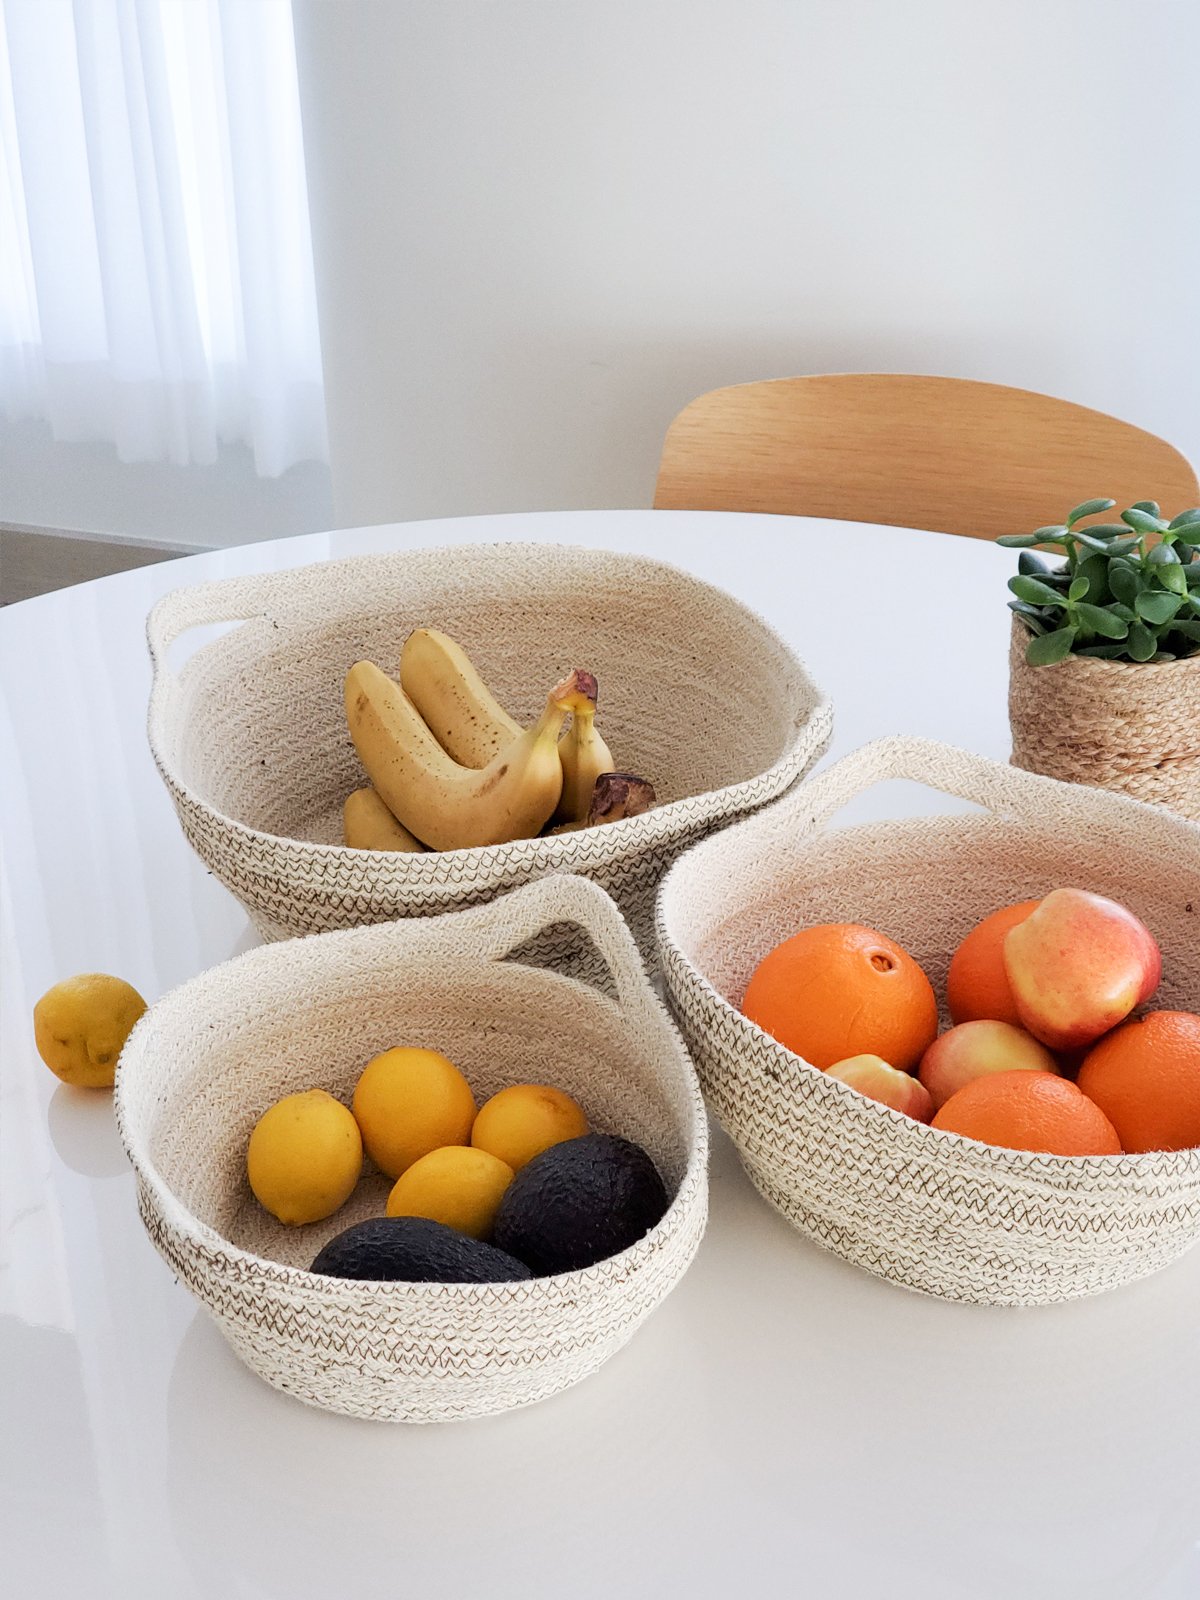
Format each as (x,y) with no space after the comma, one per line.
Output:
(784,1425)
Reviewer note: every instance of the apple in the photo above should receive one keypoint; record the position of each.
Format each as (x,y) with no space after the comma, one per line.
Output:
(974,1048)
(1077,966)
(872,1076)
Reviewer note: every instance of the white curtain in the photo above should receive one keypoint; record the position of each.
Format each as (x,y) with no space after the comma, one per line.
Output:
(156,279)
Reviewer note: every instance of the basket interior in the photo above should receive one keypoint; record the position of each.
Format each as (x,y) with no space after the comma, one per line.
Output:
(926,882)
(695,692)
(211,1064)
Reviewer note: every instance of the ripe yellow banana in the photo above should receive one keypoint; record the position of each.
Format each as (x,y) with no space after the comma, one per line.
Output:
(464,716)
(446,805)
(367,824)
(583,753)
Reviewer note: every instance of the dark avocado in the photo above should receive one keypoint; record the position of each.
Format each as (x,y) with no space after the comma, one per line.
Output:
(578,1202)
(414,1250)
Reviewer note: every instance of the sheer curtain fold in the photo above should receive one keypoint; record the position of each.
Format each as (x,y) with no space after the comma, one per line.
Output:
(156,281)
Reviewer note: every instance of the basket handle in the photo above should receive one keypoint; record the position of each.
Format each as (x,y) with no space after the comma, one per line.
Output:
(507,922)
(995,785)
(222,600)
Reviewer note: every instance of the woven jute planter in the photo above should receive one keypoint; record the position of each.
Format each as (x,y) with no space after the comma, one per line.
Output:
(697,694)
(207,1061)
(1125,725)
(919,1206)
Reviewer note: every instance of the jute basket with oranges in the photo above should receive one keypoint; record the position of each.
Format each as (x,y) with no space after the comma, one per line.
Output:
(928,1206)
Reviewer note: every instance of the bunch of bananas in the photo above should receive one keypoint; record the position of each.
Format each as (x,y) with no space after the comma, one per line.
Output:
(449,768)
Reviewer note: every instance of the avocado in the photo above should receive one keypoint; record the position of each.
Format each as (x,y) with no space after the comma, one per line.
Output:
(578,1202)
(414,1250)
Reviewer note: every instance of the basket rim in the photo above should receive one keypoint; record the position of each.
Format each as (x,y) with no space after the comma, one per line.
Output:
(729,1030)
(278,1276)
(629,836)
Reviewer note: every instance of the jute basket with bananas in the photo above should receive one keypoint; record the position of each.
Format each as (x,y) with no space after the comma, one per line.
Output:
(251,735)
(450,767)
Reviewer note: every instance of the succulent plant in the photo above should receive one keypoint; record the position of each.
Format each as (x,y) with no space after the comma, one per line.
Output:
(1123,591)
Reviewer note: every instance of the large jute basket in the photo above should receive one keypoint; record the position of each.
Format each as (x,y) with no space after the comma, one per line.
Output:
(209,1058)
(922,1207)
(1127,725)
(697,694)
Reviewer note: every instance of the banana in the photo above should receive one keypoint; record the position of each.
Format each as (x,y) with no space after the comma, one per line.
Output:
(616,795)
(440,679)
(446,805)
(367,824)
(583,753)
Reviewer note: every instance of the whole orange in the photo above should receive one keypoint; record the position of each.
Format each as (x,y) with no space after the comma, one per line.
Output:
(1029,1111)
(840,990)
(977,988)
(1145,1077)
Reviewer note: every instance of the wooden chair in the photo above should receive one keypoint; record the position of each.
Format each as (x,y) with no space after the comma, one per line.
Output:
(947,454)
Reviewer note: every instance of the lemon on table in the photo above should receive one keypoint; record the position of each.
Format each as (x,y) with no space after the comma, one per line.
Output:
(80,1027)
(456,1185)
(521,1121)
(408,1102)
(304,1158)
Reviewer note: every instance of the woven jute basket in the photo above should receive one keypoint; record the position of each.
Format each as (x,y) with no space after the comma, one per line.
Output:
(919,1206)
(206,1061)
(1124,725)
(697,694)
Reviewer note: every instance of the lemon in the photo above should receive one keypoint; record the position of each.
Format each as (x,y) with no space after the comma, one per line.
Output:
(304,1158)
(525,1119)
(409,1102)
(458,1186)
(81,1025)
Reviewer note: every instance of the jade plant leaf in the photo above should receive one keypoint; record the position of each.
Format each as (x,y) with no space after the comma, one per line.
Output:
(1101,621)
(1141,642)
(1116,590)
(1143,521)
(1034,590)
(1089,508)
(1156,605)
(1048,648)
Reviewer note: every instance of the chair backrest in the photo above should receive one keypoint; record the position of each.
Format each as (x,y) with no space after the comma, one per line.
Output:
(947,454)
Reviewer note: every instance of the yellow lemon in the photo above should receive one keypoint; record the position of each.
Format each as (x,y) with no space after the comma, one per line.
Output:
(458,1186)
(81,1025)
(409,1102)
(304,1158)
(525,1119)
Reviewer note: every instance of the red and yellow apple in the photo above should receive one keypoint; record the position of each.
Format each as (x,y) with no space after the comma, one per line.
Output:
(974,1048)
(872,1076)
(1077,966)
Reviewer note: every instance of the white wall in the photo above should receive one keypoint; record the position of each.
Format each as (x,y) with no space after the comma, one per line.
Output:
(540,228)
(84,488)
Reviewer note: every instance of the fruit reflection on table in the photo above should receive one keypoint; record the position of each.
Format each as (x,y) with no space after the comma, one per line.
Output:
(450,769)
(518,1187)
(1050,1049)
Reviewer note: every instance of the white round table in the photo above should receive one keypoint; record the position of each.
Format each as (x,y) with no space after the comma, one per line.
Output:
(784,1425)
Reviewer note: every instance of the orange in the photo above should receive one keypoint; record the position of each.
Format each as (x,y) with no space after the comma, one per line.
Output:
(1029,1111)
(977,987)
(1145,1077)
(842,990)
